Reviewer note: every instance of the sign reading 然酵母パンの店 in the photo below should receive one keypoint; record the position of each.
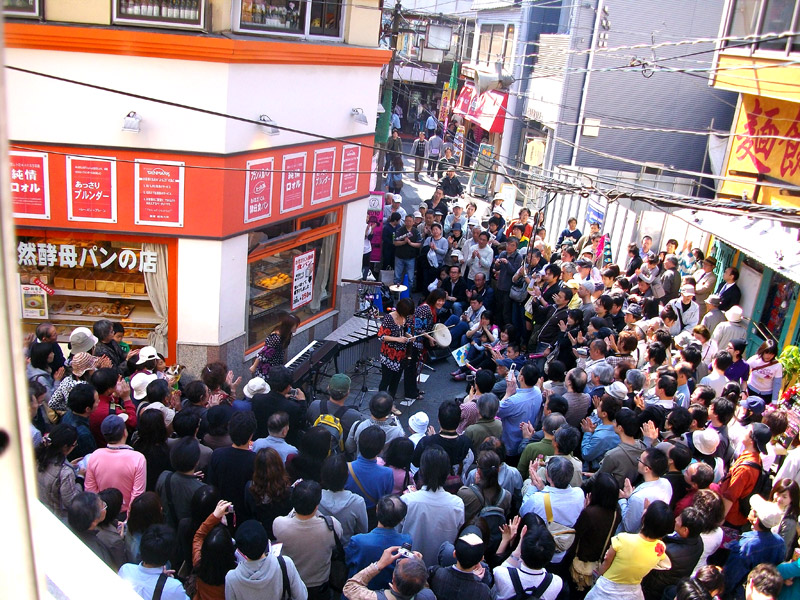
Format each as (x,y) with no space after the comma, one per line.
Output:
(293,182)
(322,182)
(303,279)
(30,185)
(92,189)
(258,189)
(159,193)
(348,182)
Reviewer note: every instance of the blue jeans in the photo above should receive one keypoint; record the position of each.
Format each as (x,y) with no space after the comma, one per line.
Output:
(458,331)
(404,266)
(455,308)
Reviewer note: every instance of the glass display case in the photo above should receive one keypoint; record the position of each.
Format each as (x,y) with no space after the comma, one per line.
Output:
(176,14)
(297,17)
(292,272)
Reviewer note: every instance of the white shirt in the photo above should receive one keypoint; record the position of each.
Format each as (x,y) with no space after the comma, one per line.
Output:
(143,581)
(528,577)
(711,542)
(633,507)
(567,505)
(432,518)
(790,469)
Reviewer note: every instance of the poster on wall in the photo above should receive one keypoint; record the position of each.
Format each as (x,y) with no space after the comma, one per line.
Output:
(303,279)
(92,189)
(159,193)
(293,182)
(322,183)
(34,302)
(258,191)
(30,184)
(348,184)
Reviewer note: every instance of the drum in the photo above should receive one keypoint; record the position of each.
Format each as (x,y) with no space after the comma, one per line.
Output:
(441,335)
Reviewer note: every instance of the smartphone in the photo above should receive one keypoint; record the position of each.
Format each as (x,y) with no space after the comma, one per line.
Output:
(511,369)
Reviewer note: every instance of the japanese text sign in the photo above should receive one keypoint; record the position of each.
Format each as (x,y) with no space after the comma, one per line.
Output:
(159,193)
(258,189)
(303,279)
(91,189)
(34,302)
(73,256)
(30,186)
(293,182)
(348,184)
(322,185)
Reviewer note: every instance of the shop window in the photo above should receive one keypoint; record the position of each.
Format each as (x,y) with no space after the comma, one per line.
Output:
(298,17)
(74,282)
(760,17)
(22,8)
(294,274)
(496,44)
(176,14)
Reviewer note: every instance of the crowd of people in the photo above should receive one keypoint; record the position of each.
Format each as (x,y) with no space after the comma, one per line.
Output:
(614,441)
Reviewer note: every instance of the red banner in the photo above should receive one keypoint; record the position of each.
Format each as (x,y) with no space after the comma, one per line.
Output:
(348,184)
(293,182)
(30,186)
(258,191)
(322,183)
(159,193)
(48,290)
(91,189)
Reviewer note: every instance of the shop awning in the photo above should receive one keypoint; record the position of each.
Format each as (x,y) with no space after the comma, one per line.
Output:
(767,241)
(487,109)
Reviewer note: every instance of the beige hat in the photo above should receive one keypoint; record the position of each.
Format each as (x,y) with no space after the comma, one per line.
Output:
(706,440)
(168,413)
(769,514)
(734,314)
(256,385)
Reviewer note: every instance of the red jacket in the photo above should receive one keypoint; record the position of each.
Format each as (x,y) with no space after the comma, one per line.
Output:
(104,409)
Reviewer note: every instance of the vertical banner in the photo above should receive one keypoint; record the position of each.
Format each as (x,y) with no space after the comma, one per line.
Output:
(30,184)
(158,196)
(258,190)
(375,211)
(293,182)
(348,182)
(303,279)
(322,182)
(91,189)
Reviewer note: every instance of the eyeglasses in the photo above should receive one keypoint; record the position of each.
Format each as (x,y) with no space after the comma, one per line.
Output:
(643,463)
(105,506)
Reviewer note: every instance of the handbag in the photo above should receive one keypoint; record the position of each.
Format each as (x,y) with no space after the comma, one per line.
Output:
(563,535)
(519,290)
(455,481)
(583,571)
(339,570)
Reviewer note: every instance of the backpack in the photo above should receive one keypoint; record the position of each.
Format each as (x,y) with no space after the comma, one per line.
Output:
(531,592)
(333,423)
(494,516)
(762,487)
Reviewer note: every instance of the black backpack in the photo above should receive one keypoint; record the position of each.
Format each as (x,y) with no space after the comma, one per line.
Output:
(762,487)
(494,516)
(531,592)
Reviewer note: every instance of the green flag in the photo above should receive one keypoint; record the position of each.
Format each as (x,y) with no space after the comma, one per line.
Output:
(384,124)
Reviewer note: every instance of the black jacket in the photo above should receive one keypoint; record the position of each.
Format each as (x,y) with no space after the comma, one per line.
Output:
(264,405)
(683,553)
(451,186)
(730,297)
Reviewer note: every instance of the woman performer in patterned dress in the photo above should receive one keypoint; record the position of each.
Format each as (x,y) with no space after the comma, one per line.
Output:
(393,333)
(424,320)
(273,353)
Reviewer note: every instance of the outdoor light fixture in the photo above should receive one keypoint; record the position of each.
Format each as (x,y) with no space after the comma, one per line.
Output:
(381,110)
(131,122)
(359,116)
(269,125)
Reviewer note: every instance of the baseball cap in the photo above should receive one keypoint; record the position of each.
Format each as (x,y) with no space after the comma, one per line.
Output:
(451,168)
(769,513)
(754,404)
(761,436)
(339,383)
(417,214)
(256,386)
(397,198)
(587,283)
(82,339)
(457,225)
(706,440)
(139,383)
(714,300)
(418,422)
(147,353)
(618,390)
(113,427)
(634,310)
(82,362)
(251,539)
(168,413)
(474,222)
(584,263)
(687,290)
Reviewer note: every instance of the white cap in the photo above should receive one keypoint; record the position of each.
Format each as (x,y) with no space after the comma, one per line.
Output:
(168,413)
(418,422)
(147,353)
(256,386)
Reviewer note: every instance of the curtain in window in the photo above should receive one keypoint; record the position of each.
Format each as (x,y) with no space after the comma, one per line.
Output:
(158,291)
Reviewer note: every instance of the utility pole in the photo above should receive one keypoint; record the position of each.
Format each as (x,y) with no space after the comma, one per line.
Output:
(384,125)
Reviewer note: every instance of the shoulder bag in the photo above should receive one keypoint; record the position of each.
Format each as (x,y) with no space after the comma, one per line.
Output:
(563,535)
(339,570)
(582,571)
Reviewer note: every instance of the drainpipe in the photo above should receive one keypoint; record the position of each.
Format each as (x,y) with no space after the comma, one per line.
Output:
(585,92)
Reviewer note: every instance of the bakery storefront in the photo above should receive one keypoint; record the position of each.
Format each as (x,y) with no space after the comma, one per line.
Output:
(198,256)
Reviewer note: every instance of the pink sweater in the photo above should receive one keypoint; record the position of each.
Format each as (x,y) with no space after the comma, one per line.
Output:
(119,467)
